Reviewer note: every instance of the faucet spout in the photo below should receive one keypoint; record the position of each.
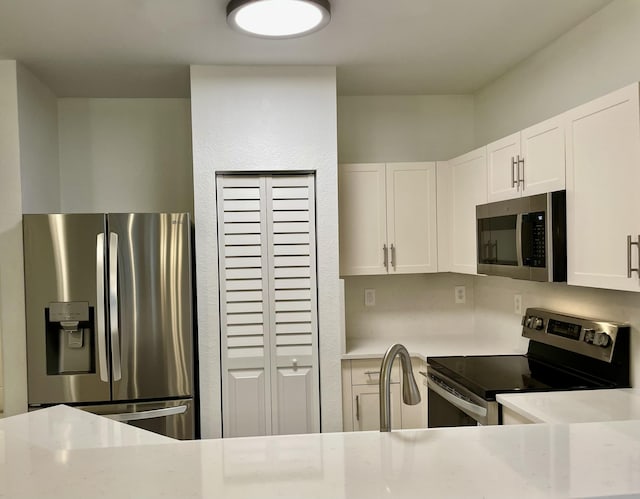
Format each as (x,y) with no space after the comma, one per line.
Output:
(410,392)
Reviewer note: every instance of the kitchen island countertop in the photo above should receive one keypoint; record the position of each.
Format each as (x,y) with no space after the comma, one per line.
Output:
(576,406)
(589,459)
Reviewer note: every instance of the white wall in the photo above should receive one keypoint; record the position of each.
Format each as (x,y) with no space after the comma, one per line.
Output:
(38,119)
(12,321)
(404,128)
(265,118)
(125,155)
(597,56)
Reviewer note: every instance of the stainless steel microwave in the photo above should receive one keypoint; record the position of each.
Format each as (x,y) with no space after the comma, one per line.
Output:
(524,238)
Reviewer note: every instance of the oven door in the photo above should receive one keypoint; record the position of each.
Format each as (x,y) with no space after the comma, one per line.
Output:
(451,404)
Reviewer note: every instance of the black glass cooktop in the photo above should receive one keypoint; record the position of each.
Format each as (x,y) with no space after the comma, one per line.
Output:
(488,375)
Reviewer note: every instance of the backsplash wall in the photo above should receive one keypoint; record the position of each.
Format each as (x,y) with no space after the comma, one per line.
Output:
(408,306)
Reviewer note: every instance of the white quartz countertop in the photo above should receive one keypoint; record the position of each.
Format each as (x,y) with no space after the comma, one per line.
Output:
(44,456)
(578,406)
(431,346)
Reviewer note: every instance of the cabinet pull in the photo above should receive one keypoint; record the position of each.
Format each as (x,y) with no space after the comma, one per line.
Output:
(631,269)
(371,373)
(514,165)
(357,407)
(521,177)
(393,257)
(385,253)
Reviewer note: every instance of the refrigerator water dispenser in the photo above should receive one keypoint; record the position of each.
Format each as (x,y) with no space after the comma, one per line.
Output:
(69,338)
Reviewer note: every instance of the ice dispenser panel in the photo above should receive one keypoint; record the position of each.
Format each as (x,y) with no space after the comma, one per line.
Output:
(70,338)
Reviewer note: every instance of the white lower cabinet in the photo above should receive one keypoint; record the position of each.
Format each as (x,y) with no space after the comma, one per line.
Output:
(361,396)
(366,407)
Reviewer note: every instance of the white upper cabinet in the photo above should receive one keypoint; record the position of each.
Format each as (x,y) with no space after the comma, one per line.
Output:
(362,207)
(528,162)
(465,187)
(387,218)
(603,172)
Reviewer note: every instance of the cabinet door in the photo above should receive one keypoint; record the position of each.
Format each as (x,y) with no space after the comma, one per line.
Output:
(468,189)
(366,407)
(543,150)
(362,211)
(603,158)
(411,217)
(502,173)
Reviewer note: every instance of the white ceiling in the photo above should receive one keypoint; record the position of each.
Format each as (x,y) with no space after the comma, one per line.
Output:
(138,48)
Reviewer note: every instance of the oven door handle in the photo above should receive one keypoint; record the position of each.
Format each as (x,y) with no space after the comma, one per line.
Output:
(456,401)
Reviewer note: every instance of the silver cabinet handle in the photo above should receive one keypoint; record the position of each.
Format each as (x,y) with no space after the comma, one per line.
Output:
(357,407)
(520,177)
(113,307)
(456,401)
(385,253)
(100,320)
(514,165)
(155,413)
(393,257)
(631,269)
(371,373)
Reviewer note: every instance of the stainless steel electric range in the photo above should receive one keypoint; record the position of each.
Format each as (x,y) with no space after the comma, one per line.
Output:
(565,353)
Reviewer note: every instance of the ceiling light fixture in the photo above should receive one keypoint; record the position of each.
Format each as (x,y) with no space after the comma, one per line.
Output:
(278,18)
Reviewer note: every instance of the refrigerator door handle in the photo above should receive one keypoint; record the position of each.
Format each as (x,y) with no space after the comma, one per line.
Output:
(155,413)
(116,365)
(100,321)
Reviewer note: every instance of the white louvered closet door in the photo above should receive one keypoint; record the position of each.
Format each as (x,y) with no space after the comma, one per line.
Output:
(268,302)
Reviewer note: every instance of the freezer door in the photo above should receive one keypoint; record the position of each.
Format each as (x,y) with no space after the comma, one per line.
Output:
(64,257)
(172,418)
(150,305)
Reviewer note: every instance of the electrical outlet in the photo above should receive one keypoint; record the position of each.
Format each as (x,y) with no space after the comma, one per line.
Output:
(517,304)
(461,294)
(369,297)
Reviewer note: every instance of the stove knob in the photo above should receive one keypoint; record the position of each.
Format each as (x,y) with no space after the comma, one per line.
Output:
(589,335)
(601,339)
(538,323)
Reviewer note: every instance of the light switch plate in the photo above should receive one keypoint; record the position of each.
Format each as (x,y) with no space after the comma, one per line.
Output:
(369,297)
(461,294)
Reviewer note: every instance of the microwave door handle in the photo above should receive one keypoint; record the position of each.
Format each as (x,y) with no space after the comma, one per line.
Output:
(519,239)
(116,365)
(100,320)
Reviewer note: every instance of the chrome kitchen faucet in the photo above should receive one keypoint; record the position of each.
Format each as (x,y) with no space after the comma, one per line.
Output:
(410,392)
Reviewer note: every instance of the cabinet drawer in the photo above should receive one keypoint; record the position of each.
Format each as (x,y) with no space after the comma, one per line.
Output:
(367,371)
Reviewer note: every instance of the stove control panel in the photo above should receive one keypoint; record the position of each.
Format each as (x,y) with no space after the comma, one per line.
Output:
(590,337)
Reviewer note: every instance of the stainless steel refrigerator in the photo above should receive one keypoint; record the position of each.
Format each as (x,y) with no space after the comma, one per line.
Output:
(109,316)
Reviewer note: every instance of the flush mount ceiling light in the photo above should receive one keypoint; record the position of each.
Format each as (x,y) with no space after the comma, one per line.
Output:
(278,18)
